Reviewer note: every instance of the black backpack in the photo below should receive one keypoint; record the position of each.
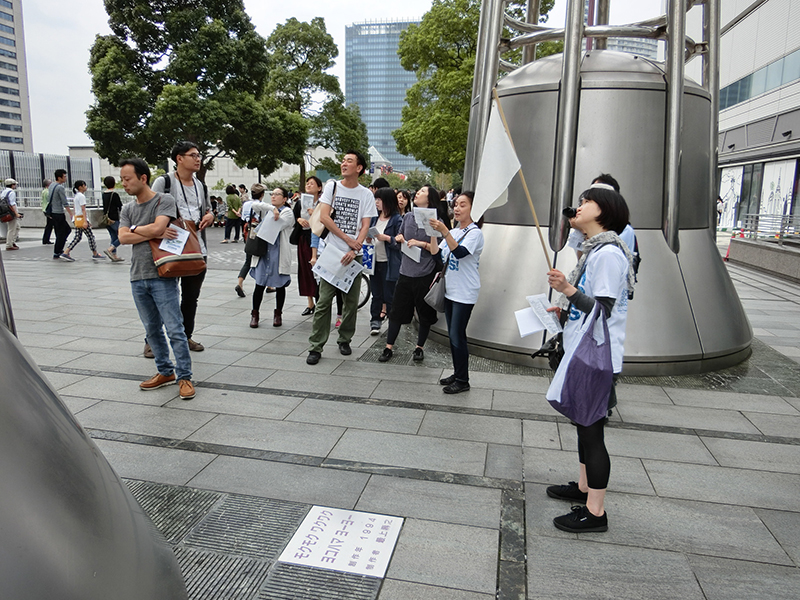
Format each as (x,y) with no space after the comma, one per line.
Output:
(5,209)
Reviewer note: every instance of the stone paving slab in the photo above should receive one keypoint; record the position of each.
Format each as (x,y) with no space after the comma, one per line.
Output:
(731,401)
(149,463)
(107,388)
(358,416)
(607,573)
(431,394)
(780,425)
(411,451)
(556,467)
(250,376)
(738,487)
(541,434)
(282,481)
(647,444)
(242,404)
(143,420)
(504,462)
(474,428)
(454,556)
(393,589)
(432,501)
(686,416)
(785,526)
(761,456)
(740,580)
(320,383)
(266,434)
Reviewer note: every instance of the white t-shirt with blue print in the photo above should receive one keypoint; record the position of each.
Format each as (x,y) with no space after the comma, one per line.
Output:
(605,276)
(462,280)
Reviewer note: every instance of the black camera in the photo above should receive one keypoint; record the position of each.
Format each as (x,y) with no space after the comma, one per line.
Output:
(569,212)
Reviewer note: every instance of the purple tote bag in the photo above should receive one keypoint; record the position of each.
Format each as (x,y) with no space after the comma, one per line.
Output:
(589,374)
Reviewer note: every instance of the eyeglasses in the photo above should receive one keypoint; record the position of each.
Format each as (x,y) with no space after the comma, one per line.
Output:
(194,155)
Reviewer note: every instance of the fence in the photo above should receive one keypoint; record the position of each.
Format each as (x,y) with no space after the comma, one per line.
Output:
(32,197)
(780,227)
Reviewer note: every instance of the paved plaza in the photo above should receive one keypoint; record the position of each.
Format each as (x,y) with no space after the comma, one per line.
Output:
(702,503)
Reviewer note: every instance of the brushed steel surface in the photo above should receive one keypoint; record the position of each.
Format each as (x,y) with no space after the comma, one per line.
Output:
(70,528)
(676,29)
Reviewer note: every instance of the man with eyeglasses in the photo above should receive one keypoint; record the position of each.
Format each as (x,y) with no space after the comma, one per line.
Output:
(194,206)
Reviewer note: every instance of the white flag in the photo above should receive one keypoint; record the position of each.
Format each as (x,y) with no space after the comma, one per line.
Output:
(499,164)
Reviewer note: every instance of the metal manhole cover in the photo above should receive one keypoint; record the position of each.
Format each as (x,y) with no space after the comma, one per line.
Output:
(248,526)
(293,582)
(210,576)
(174,510)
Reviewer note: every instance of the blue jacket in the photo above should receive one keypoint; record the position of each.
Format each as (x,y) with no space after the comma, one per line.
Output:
(393,253)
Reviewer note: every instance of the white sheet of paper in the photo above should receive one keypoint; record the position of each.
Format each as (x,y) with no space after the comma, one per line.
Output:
(527,322)
(373,232)
(413,252)
(175,246)
(330,268)
(423,218)
(539,303)
(269,228)
(306,202)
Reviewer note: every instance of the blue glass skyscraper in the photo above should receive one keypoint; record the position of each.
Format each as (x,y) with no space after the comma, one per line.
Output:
(375,81)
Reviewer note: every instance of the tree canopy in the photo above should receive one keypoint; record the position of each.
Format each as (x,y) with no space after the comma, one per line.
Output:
(195,70)
(441,51)
(300,55)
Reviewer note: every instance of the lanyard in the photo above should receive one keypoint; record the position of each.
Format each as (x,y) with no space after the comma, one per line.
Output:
(186,199)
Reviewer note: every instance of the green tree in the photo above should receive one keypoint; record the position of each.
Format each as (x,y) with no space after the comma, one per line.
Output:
(187,70)
(441,51)
(300,55)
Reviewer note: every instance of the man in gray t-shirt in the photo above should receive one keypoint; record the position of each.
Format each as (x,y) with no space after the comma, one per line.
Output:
(157,299)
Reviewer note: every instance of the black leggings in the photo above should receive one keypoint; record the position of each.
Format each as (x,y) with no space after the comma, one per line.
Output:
(394,330)
(592,453)
(280,297)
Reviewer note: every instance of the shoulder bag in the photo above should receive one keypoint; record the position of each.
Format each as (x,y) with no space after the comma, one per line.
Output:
(255,246)
(581,387)
(314,221)
(186,264)
(436,293)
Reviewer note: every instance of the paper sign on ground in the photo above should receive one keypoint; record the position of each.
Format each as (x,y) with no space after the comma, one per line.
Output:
(330,268)
(175,246)
(344,540)
(539,303)
(423,218)
(412,252)
(269,228)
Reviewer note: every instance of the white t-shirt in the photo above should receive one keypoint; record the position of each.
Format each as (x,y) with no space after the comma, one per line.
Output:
(350,206)
(628,236)
(605,276)
(462,279)
(78,202)
(380,247)
(10,195)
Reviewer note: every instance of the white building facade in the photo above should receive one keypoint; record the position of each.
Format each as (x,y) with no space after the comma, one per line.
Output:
(759,120)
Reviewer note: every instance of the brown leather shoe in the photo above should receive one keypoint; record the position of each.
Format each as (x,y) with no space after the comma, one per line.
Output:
(276,321)
(156,381)
(187,389)
(148,351)
(254,319)
(195,346)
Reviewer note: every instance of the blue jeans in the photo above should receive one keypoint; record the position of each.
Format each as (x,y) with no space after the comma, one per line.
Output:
(112,231)
(158,303)
(457,316)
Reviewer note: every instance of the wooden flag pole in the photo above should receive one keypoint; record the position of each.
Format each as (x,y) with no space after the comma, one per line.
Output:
(522,179)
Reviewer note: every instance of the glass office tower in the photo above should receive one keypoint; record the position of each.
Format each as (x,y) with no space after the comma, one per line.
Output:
(15,111)
(375,81)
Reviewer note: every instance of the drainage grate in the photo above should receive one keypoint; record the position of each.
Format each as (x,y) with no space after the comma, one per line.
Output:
(293,582)
(173,510)
(248,526)
(210,576)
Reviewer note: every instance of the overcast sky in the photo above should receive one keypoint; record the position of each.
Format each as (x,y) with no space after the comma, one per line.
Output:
(59,34)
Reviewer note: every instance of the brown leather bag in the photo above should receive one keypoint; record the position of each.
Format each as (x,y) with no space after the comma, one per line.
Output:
(189,262)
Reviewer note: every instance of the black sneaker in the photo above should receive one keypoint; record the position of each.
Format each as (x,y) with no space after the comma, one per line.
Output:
(580,520)
(448,380)
(313,357)
(344,349)
(419,355)
(387,354)
(569,492)
(456,387)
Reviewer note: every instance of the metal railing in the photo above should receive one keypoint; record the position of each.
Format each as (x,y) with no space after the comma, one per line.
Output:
(32,197)
(779,227)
